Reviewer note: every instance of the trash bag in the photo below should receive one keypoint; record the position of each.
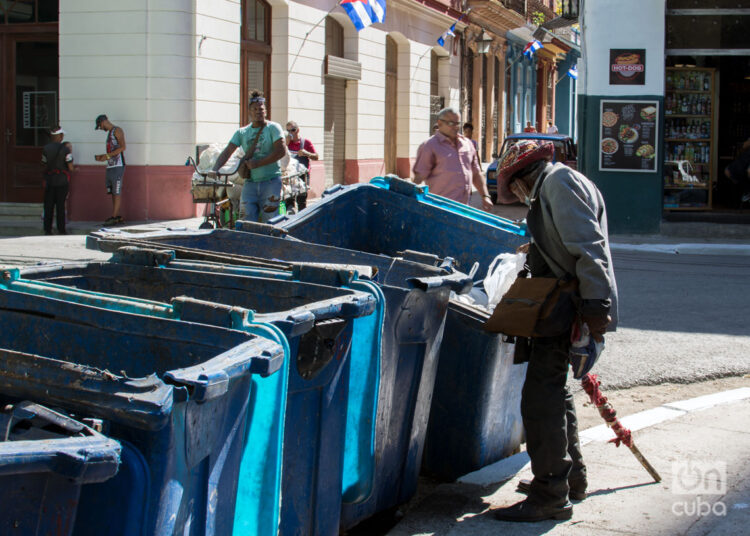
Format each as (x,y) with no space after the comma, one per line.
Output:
(293,179)
(209,156)
(500,276)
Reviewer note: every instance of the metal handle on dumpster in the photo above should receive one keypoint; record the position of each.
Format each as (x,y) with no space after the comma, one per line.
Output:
(457,282)
(87,297)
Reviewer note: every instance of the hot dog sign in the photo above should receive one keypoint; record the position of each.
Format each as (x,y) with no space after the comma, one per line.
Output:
(627,66)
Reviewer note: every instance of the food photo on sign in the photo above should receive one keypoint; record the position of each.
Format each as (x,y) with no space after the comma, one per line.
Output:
(627,66)
(628,136)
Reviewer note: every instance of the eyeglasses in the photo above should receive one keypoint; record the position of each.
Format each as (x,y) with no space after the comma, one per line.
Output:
(450,123)
(292,129)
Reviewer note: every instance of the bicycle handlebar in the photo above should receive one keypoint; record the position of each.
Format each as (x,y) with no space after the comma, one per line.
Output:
(204,174)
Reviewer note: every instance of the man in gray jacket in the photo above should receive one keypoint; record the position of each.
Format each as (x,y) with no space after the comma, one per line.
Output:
(568,225)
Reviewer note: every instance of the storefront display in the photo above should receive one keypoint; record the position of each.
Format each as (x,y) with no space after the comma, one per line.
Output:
(689,138)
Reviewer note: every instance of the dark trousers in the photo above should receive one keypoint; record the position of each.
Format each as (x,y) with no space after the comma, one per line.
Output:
(54,200)
(549,417)
(300,199)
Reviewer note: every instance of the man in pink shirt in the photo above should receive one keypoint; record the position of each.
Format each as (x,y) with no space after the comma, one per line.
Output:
(448,162)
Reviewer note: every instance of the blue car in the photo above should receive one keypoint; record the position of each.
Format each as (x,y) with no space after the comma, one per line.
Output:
(565,152)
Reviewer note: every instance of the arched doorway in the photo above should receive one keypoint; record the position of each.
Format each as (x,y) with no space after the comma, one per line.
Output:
(29,93)
(255,53)
(334,128)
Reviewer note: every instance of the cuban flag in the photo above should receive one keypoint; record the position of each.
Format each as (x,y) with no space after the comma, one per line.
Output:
(532,47)
(449,32)
(363,13)
(573,72)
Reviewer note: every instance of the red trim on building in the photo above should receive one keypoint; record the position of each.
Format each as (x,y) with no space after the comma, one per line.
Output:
(148,193)
(404,166)
(317,178)
(363,170)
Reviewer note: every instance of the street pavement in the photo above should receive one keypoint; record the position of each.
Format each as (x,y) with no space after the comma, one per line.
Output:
(683,319)
(699,447)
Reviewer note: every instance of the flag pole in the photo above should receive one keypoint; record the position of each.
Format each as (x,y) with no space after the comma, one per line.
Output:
(304,39)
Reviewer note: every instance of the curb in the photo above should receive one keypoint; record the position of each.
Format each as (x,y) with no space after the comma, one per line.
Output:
(685,248)
(507,468)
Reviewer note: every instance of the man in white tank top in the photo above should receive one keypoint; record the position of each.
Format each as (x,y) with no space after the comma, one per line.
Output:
(115,158)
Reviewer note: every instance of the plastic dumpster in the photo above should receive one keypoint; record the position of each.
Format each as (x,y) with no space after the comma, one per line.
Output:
(330,417)
(470,426)
(416,298)
(178,396)
(475,419)
(45,459)
(392,215)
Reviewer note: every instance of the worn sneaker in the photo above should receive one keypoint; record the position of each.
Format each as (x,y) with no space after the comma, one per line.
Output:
(530,512)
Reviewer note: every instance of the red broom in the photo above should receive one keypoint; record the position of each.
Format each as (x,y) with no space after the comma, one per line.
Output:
(590,383)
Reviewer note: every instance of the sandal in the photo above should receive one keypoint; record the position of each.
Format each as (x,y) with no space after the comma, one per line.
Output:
(110,221)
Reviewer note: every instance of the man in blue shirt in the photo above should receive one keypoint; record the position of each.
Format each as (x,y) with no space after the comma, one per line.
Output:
(263,143)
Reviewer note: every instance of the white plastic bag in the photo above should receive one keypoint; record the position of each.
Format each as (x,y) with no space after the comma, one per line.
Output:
(501,274)
(208,158)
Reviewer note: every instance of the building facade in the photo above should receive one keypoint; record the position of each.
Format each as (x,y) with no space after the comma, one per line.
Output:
(176,74)
(684,68)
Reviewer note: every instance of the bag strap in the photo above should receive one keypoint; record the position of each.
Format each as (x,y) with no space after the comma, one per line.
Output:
(252,147)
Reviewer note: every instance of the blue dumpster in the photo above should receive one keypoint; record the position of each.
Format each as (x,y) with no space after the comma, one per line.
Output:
(475,419)
(392,215)
(469,426)
(330,417)
(416,298)
(178,396)
(45,459)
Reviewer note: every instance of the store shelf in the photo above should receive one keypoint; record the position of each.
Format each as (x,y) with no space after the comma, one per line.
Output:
(690,196)
(672,187)
(689,91)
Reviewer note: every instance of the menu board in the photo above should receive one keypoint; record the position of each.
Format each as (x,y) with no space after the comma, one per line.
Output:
(628,136)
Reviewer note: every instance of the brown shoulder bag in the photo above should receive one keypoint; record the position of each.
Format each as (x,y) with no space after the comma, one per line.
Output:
(536,307)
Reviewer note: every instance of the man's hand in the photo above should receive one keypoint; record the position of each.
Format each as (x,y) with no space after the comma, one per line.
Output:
(100,157)
(523,248)
(597,325)
(487,204)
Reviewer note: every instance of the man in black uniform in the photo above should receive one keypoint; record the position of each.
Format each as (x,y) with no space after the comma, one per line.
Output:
(57,160)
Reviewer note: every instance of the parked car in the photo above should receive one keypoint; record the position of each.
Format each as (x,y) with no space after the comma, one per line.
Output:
(565,152)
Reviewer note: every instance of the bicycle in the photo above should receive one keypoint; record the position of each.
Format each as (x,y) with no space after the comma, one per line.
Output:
(219,211)
(291,188)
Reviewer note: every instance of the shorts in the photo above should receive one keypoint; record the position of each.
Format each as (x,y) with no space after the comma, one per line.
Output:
(113,179)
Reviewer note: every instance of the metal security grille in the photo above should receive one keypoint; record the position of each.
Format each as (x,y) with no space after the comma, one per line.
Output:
(28,11)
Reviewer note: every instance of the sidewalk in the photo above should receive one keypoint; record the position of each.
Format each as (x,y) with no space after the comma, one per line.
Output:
(705,440)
